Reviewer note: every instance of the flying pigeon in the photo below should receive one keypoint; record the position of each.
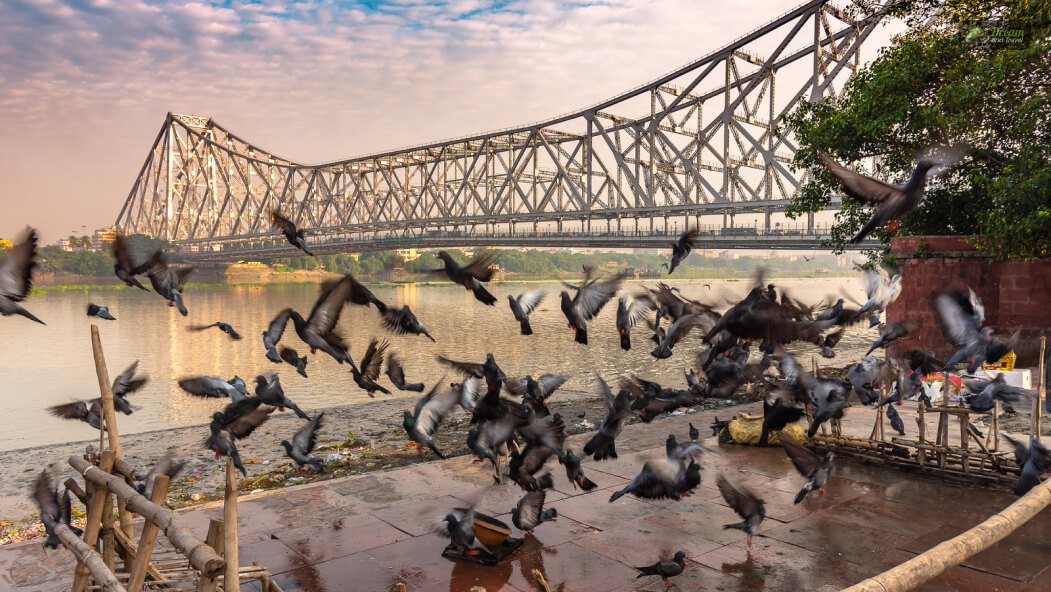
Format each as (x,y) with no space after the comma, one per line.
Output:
(168,465)
(535,392)
(458,525)
(292,357)
(747,505)
(54,510)
(471,276)
(101,312)
(817,471)
(669,477)
(370,368)
(302,445)
(574,473)
(1033,460)
(681,249)
(212,386)
(270,391)
(288,228)
(125,267)
(224,327)
(430,411)
(168,281)
(522,305)
(16,276)
(91,410)
(591,296)
(530,512)
(396,374)
(237,421)
(891,202)
(273,334)
(628,315)
(961,323)
(401,321)
(359,294)
(894,332)
(319,330)
(982,393)
(603,444)
(493,375)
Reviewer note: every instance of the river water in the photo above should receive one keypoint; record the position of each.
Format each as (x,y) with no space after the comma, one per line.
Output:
(48,365)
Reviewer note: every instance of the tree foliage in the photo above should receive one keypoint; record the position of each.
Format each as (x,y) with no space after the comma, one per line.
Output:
(941,84)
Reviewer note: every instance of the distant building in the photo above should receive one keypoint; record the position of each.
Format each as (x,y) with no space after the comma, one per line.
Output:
(354,256)
(5,243)
(407,254)
(65,245)
(646,251)
(103,238)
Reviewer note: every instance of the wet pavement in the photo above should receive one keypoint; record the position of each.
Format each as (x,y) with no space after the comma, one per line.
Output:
(370,531)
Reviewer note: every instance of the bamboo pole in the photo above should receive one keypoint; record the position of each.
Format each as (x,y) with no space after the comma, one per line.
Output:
(88,557)
(149,537)
(93,520)
(202,557)
(1038,404)
(928,565)
(232,581)
(109,419)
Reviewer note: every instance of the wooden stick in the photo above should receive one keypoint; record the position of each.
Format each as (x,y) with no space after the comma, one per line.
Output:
(88,557)
(215,535)
(201,556)
(109,420)
(149,537)
(232,582)
(540,581)
(1038,404)
(109,546)
(93,521)
(921,425)
(128,547)
(928,565)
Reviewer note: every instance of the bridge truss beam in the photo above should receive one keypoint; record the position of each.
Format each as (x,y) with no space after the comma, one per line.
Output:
(685,151)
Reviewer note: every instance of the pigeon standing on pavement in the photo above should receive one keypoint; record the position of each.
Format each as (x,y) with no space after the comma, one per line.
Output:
(16,276)
(665,568)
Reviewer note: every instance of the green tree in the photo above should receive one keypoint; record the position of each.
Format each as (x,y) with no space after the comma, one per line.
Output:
(941,83)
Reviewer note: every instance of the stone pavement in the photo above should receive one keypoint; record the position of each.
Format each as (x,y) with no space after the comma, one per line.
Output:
(367,532)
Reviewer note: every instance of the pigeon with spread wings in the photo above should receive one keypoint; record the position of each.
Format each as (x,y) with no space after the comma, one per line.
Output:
(288,228)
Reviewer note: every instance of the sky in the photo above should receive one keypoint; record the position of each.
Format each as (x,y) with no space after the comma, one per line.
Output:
(85,84)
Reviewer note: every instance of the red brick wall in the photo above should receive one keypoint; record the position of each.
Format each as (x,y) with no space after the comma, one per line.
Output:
(1016,294)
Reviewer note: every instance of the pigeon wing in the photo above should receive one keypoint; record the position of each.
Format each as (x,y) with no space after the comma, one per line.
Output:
(862,188)
(16,269)
(805,461)
(204,386)
(528,301)
(283,224)
(481,267)
(276,328)
(373,360)
(306,436)
(592,297)
(465,368)
(956,323)
(329,305)
(742,500)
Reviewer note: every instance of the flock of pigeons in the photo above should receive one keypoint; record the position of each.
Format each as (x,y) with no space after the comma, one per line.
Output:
(520,429)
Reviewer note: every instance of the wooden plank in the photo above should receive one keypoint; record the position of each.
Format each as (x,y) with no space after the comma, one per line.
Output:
(215,535)
(141,563)
(232,582)
(93,520)
(87,556)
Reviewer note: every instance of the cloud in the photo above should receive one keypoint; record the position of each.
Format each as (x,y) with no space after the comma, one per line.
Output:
(84,85)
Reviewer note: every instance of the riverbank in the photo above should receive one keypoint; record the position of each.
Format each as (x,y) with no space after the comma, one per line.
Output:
(355,439)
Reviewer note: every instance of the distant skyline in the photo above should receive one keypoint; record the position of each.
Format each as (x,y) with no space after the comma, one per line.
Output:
(85,84)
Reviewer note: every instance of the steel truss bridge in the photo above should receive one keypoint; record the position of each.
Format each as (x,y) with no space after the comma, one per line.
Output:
(700,141)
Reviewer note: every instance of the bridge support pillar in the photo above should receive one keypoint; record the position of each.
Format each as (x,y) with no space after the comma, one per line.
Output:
(810,223)
(766,223)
